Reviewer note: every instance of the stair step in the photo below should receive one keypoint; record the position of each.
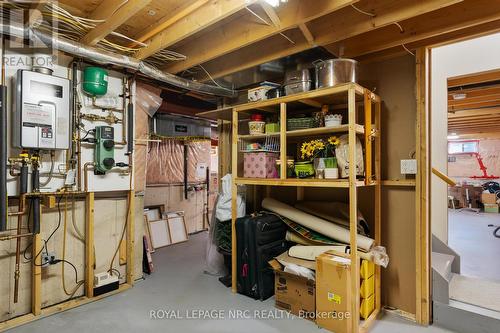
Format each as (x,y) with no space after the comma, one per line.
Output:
(442,264)
(465,318)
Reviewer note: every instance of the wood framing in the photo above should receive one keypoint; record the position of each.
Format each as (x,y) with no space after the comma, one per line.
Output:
(234,197)
(171,20)
(198,20)
(89,244)
(239,34)
(117,14)
(36,293)
(349,94)
(130,238)
(327,29)
(422,232)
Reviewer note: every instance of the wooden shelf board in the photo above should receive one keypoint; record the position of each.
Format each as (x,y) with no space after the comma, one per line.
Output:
(399,182)
(309,182)
(308,132)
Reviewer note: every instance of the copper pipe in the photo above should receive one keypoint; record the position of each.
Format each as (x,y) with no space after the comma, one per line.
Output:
(4,238)
(85,175)
(22,199)
(18,213)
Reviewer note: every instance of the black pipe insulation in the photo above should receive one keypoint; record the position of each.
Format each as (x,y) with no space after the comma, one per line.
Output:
(3,158)
(35,181)
(23,179)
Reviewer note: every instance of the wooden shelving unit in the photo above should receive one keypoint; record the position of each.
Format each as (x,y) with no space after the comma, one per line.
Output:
(347,95)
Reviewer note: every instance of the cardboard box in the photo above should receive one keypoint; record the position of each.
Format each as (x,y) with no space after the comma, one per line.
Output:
(488,198)
(260,165)
(491,208)
(333,293)
(293,293)
(460,193)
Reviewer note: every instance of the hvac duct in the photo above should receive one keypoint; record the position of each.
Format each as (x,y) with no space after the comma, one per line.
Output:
(106,57)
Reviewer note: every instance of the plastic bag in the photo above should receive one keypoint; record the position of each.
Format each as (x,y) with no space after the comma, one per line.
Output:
(223,207)
(342,154)
(214,259)
(148,99)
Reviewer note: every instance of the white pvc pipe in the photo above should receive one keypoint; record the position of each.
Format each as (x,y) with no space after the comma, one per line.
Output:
(315,223)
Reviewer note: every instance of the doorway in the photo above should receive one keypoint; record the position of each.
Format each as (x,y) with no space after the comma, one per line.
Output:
(465,129)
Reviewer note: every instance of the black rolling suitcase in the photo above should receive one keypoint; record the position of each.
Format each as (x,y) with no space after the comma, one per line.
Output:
(259,239)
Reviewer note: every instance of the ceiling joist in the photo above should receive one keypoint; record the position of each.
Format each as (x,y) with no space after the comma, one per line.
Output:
(207,15)
(242,33)
(327,29)
(442,21)
(115,13)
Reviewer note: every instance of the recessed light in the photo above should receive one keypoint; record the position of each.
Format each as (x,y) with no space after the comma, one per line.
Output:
(151,12)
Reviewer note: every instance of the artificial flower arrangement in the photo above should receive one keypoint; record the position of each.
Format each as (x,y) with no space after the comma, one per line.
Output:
(323,152)
(319,148)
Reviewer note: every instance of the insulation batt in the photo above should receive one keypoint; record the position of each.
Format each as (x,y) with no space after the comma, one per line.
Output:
(315,223)
(166,161)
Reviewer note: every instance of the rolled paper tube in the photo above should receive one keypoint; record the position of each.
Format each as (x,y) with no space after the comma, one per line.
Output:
(315,223)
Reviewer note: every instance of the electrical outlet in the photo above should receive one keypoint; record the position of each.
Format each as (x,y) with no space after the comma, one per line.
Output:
(409,167)
(47,258)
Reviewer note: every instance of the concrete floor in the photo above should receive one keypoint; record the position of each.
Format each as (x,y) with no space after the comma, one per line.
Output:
(470,236)
(179,283)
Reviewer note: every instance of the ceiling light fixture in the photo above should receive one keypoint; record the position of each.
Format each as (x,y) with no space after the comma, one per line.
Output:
(275,3)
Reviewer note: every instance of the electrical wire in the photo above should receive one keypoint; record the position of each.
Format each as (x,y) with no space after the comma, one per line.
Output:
(407,50)
(362,11)
(51,172)
(63,260)
(269,24)
(399,26)
(129,198)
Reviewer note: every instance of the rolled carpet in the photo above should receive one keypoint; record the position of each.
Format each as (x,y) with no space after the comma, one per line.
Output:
(315,223)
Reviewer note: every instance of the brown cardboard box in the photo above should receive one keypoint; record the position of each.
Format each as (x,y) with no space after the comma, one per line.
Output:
(488,198)
(333,293)
(293,293)
(460,193)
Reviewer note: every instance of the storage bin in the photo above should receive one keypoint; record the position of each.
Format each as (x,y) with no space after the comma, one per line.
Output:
(300,123)
(260,165)
(256,127)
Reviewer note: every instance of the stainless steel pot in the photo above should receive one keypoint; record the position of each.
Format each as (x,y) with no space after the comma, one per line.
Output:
(297,81)
(335,71)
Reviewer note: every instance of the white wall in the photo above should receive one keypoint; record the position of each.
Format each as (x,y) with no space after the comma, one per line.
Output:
(472,56)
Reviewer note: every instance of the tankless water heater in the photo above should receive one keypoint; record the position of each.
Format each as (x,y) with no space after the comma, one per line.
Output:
(41,111)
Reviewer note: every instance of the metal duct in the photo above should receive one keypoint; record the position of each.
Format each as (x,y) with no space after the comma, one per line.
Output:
(106,57)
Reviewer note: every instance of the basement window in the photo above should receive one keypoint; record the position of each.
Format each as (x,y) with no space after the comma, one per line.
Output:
(463,147)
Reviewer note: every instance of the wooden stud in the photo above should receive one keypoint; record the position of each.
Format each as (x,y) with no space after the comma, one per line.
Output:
(117,17)
(271,13)
(368,138)
(234,194)
(422,233)
(36,286)
(283,165)
(378,202)
(123,253)
(89,245)
(307,33)
(130,238)
(353,212)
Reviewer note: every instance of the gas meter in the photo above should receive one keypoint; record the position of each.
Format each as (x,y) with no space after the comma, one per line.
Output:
(41,110)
